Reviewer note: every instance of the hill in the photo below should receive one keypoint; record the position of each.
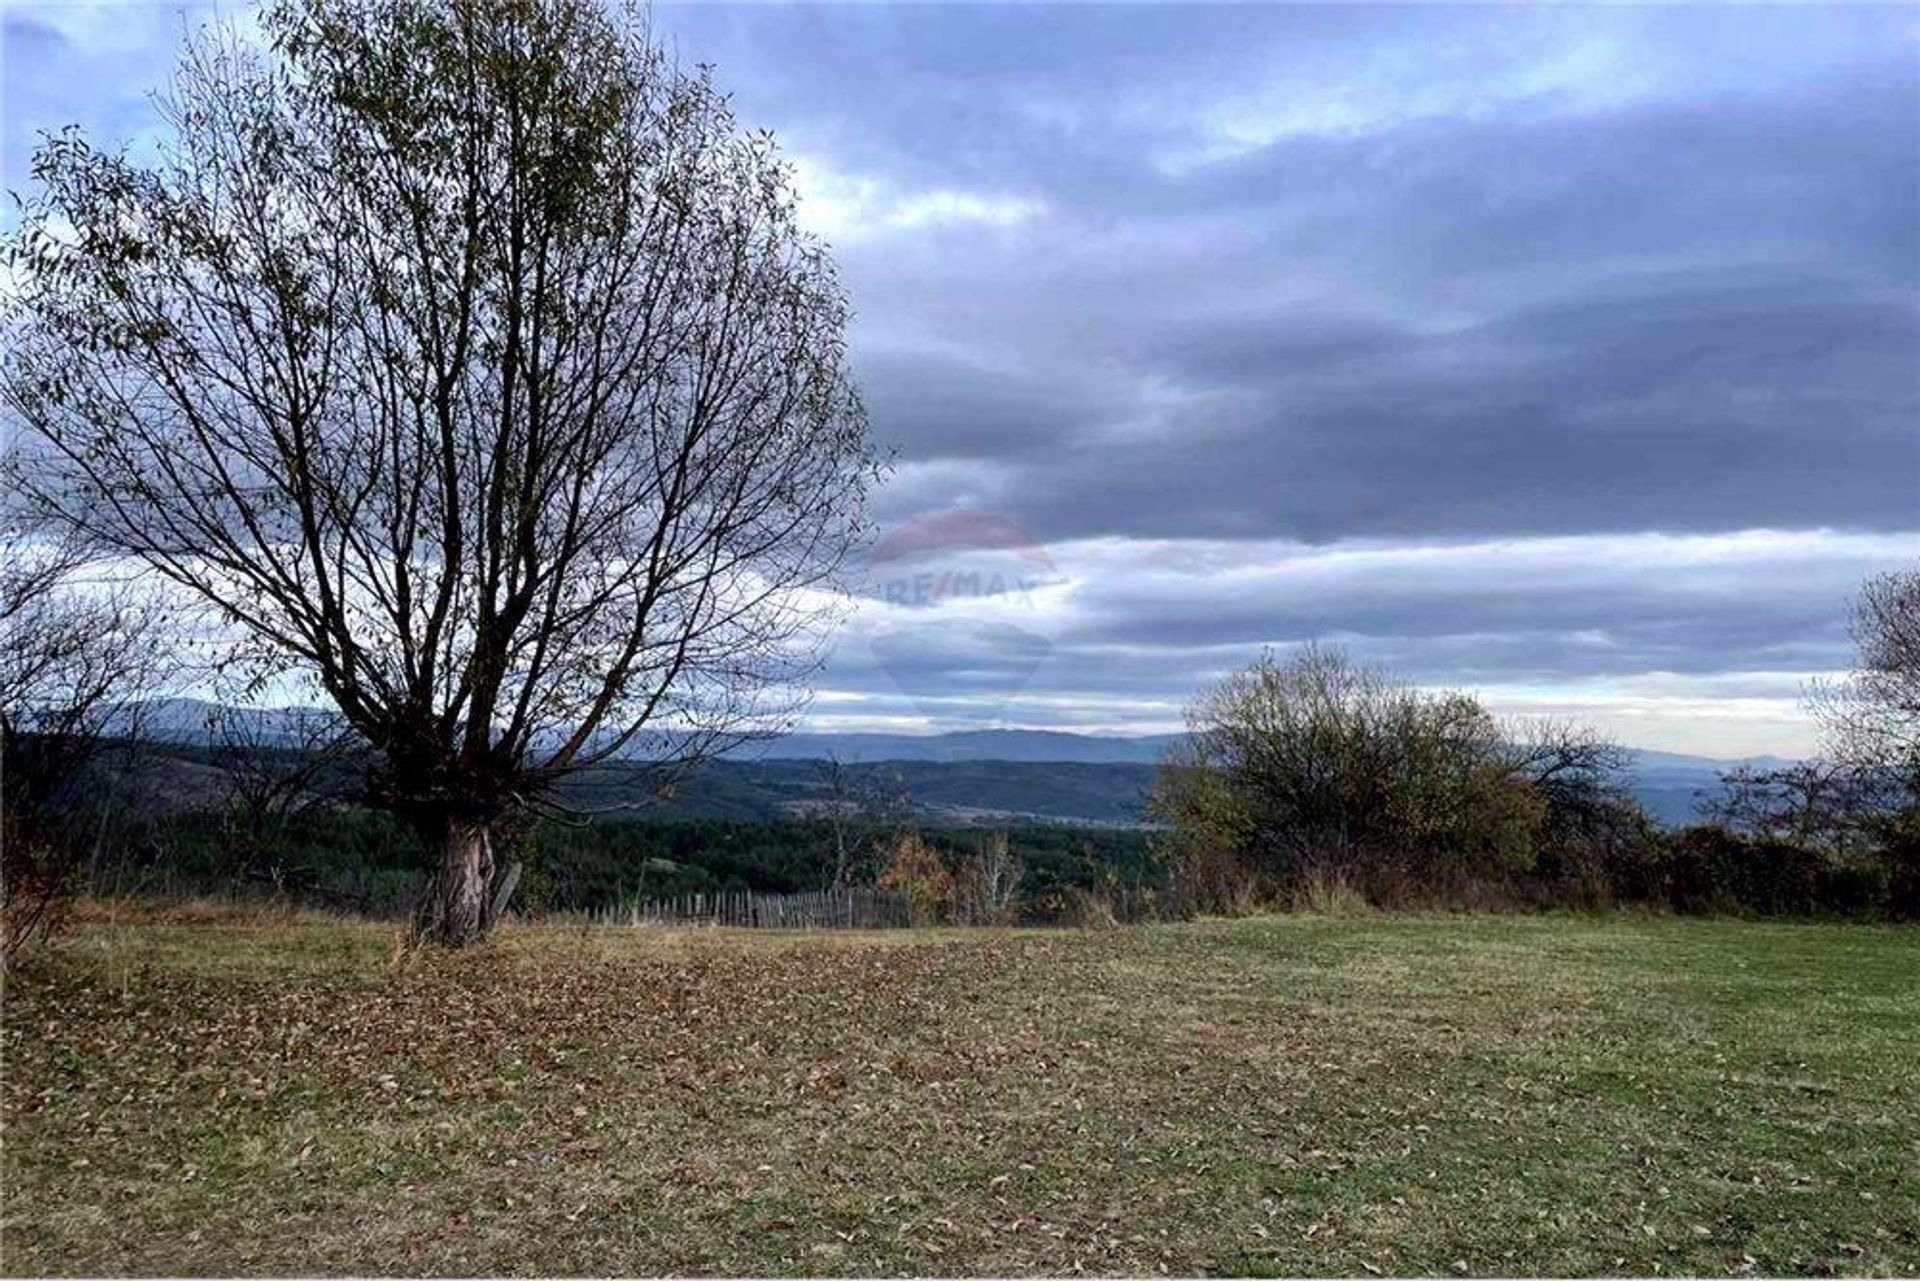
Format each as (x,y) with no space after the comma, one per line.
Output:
(959,777)
(957,791)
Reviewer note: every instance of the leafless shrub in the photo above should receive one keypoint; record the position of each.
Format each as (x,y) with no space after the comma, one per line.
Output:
(986,887)
(1829,805)
(78,649)
(277,770)
(1872,716)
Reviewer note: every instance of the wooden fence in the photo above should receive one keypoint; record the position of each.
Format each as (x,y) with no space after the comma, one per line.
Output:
(858,907)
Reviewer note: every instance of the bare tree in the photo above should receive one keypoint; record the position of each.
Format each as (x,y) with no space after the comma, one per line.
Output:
(862,811)
(1581,776)
(987,886)
(1833,805)
(1872,716)
(77,650)
(465,357)
(839,807)
(277,769)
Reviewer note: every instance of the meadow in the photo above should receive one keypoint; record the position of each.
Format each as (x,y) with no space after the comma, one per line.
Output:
(1287,1095)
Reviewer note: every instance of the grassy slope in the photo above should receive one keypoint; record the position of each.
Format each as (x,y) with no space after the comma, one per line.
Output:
(1303,1096)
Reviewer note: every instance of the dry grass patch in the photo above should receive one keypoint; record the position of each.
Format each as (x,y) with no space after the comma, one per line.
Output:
(1314,1096)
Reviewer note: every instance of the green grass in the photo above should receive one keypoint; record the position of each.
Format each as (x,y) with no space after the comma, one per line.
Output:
(1300,1095)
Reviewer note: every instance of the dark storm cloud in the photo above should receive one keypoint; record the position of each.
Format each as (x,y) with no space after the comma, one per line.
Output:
(1681,316)
(1697,405)
(963,409)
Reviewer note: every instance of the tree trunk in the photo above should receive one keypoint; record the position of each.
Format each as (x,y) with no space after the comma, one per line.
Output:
(455,911)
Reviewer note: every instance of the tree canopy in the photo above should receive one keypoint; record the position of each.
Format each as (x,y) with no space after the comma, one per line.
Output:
(466,360)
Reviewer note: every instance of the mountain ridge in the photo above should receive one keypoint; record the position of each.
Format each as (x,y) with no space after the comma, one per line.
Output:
(186,719)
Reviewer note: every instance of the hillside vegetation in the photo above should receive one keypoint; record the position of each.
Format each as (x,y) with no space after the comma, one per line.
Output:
(1296,1095)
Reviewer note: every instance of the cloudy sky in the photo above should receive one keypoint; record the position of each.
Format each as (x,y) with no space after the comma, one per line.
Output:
(1564,354)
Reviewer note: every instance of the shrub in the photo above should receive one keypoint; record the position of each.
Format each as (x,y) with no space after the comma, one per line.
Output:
(1317,765)
(35,879)
(916,869)
(986,888)
(1710,869)
(1901,854)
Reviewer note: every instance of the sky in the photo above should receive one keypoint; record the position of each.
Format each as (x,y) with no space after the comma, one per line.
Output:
(1570,355)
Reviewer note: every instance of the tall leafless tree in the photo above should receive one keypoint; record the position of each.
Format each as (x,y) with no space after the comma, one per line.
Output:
(987,885)
(465,358)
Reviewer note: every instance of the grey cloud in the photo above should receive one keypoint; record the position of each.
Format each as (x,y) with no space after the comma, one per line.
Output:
(1698,407)
(1678,314)
(1486,617)
(1335,273)
(964,409)
(1150,621)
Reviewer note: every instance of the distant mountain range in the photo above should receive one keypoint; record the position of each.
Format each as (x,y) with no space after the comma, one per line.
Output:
(966,745)
(960,776)
(188,720)
(939,792)
(979,774)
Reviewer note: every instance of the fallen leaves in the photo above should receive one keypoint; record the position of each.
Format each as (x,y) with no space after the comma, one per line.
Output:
(1017,1105)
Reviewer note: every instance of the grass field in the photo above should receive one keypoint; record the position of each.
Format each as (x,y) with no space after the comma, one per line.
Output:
(1425,1095)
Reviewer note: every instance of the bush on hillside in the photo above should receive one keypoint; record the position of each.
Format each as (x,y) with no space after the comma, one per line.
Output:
(1316,771)
(1318,767)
